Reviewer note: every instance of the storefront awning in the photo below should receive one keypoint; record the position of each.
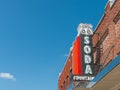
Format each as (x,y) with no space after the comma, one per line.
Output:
(108,78)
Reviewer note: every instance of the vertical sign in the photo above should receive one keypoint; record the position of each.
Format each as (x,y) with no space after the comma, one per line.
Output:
(87,56)
(83,54)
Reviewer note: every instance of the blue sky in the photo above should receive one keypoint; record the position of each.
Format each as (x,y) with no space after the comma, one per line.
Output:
(35,37)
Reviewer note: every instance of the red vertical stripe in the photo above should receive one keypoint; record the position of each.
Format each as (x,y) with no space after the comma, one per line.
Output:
(79,56)
(75,63)
(77,60)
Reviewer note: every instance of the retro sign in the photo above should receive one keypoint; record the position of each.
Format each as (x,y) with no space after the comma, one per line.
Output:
(83,54)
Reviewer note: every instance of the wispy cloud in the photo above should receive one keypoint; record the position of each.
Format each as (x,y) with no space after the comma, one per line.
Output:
(65,55)
(7,76)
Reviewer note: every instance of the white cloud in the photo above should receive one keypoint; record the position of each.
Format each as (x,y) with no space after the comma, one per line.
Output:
(7,76)
(66,55)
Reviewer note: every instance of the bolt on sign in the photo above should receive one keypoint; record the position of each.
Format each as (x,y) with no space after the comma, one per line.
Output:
(83,54)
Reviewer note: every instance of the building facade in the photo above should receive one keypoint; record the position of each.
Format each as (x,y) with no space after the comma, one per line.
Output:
(106,50)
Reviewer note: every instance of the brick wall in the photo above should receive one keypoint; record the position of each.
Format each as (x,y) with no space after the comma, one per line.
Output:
(108,45)
(64,78)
